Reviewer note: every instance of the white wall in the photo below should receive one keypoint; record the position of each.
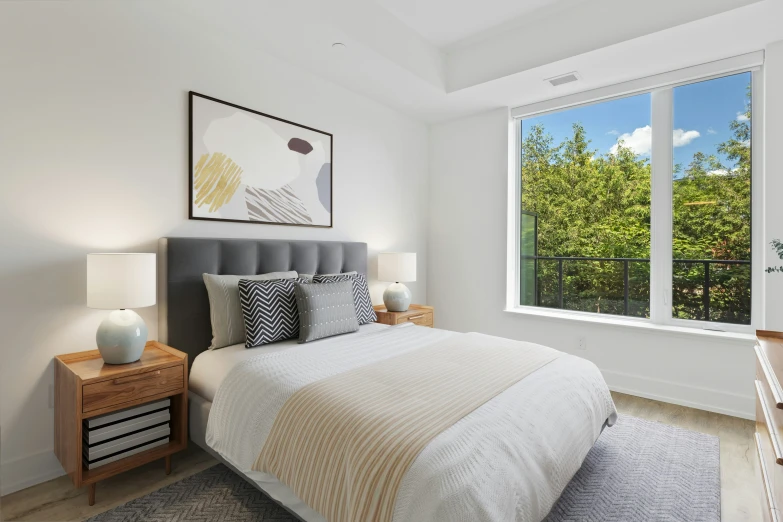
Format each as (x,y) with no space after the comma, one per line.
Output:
(773,182)
(467,285)
(93,137)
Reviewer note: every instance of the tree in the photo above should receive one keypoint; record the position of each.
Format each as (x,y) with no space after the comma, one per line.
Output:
(712,204)
(592,205)
(588,205)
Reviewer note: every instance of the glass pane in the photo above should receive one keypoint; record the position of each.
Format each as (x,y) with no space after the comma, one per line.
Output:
(527,267)
(711,194)
(639,288)
(593,286)
(585,176)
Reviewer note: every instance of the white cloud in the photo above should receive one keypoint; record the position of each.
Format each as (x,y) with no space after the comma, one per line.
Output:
(711,131)
(742,117)
(613,132)
(640,140)
(722,172)
(682,137)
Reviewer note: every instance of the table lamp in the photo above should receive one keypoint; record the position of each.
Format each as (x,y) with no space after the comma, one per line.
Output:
(119,282)
(398,267)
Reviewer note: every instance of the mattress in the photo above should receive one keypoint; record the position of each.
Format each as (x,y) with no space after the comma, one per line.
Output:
(212,366)
(508,460)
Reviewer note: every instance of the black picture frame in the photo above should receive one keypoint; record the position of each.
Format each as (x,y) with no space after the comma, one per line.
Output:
(191,96)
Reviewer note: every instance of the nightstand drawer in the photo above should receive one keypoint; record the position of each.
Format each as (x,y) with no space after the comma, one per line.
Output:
(423,319)
(421,315)
(113,392)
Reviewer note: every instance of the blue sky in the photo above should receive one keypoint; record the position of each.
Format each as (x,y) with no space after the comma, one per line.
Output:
(702,112)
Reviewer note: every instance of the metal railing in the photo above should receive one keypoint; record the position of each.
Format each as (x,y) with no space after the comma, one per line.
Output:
(706,263)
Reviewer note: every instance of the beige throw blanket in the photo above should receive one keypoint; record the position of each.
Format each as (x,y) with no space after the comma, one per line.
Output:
(344,443)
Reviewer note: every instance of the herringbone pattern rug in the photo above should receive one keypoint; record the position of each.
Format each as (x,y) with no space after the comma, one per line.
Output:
(214,495)
(642,471)
(638,471)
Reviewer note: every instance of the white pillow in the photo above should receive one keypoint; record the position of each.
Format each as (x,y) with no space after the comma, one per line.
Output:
(225,310)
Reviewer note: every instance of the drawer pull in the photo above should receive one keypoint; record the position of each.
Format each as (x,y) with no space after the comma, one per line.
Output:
(774,385)
(139,377)
(773,435)
(416,317)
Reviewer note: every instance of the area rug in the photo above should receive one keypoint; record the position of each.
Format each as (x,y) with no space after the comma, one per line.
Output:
(637,471)
(645,471)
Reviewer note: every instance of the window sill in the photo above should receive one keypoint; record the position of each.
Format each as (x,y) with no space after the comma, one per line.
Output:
(639,324)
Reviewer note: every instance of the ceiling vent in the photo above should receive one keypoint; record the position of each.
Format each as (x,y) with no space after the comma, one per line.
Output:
(563,79)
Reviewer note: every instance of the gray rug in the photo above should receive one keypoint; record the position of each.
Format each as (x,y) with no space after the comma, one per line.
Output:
(637,471)
(645,471)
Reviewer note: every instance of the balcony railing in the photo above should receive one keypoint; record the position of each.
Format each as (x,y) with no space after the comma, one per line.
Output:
(695,281)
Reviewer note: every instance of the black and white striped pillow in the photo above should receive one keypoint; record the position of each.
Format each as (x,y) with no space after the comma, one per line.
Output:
(269,309)
(365,313)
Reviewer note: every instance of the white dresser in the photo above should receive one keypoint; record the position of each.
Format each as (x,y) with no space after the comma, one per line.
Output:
(769,421)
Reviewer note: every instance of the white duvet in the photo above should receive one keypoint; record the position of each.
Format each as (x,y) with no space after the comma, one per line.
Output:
(509,460)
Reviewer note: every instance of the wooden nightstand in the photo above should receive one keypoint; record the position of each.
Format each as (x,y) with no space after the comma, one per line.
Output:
(86,387)
(418,314)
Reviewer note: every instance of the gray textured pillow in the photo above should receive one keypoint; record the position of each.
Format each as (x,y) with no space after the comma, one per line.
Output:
(365,313)
(309,277)
(225,310)
(325,310)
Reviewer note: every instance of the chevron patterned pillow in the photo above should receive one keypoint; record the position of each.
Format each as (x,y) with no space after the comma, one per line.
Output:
(365,313)
(269,308)
(225,310)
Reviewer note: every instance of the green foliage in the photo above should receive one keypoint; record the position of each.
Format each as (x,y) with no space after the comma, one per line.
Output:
(587,205)
(598,205)
(777,246)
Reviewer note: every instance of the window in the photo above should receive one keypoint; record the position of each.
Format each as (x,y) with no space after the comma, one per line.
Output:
(711,193)
(589,189)
(640,206)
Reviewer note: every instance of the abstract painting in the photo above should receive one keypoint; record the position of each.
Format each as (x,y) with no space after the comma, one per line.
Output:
(251,167)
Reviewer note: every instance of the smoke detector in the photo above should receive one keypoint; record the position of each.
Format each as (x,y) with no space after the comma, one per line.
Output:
(563,79)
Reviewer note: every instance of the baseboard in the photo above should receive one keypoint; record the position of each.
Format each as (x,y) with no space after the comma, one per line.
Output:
(716,401)
(23,472)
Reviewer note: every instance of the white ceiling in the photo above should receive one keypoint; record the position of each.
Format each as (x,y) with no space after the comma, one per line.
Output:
(606,41)
(446,22)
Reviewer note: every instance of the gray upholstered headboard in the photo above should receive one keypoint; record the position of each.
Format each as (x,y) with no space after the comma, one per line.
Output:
(183,305)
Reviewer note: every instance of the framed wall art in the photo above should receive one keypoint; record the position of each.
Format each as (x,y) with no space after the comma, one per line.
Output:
(250,167)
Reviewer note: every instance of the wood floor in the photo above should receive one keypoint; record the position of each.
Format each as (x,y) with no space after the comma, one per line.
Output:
(57,500)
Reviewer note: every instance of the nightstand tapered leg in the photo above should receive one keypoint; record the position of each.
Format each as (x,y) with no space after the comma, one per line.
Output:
(168,464)
(91,494)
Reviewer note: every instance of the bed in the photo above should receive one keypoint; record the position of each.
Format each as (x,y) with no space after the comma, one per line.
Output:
(508,459)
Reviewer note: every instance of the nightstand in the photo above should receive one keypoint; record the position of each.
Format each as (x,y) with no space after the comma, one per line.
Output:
(417,314)
(86,387)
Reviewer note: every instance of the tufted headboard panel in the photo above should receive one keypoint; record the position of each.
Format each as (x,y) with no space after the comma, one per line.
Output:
(183,305)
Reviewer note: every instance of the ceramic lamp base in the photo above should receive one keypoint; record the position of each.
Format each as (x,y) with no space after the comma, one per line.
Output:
(121,337)
(397,298)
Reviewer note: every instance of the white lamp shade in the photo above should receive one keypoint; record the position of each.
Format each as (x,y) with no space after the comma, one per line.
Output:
(117,281)
(399,267)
